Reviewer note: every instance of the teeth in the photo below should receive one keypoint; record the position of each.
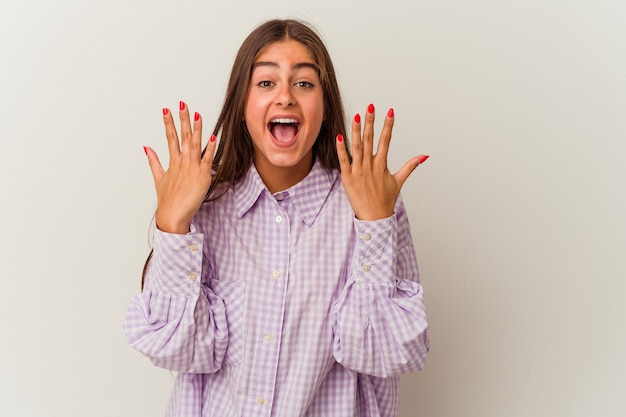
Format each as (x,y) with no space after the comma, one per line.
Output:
(283,121)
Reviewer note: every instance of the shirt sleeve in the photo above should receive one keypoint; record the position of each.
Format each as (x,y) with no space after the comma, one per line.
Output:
(177,321)
(379,320)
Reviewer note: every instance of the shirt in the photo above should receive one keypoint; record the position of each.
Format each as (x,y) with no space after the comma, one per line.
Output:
(283,305)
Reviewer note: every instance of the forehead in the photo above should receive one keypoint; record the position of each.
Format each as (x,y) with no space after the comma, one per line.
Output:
(287,51)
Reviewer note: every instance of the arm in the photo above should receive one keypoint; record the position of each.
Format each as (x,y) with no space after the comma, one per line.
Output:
(177,321)
(380,320)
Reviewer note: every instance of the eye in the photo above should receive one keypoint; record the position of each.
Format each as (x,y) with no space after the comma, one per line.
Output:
(265,84)
(304,84)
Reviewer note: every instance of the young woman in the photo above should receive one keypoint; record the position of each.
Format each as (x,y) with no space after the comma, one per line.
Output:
(283,279)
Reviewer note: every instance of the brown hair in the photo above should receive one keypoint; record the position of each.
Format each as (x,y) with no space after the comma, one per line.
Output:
(235,151)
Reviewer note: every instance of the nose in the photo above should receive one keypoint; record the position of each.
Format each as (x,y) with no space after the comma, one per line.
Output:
(284,96)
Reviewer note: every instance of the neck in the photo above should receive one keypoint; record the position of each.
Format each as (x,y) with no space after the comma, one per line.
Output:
(281,178)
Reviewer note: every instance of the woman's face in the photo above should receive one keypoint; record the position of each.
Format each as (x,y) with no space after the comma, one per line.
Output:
(284,112)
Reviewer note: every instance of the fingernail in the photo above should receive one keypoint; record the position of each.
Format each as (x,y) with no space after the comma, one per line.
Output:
(196,116)
(357,118)
(181,105)
(370,108)
(422,159)
(340,138)
(212,138)
(165,111)
(145,150)
(390,113)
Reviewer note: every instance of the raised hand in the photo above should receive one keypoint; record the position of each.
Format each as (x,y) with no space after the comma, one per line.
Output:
(182,188)
(372,190)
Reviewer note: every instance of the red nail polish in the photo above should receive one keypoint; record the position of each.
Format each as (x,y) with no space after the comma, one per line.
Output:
(165,111)
(390,113)
(370,108)
(196,116)
(145,150)
(357,118)
(181,105)
(212,138)
(422,159)
(340,138)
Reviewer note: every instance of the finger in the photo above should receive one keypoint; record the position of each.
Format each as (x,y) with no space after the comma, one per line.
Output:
(185,127)
(406,170)
(172,136)
(357,144)
(195,145)
(385,138)
(368,133)
(155,164)
(342,153)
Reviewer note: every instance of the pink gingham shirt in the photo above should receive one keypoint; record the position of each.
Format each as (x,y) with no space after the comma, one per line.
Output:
(283,305)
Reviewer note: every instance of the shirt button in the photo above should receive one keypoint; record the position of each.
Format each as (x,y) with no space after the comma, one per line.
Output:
(279,219)
(268,337)
(366,267)
(366,237)
(280,196)
(193,248)
(261,400)
(275,274)
(193,276)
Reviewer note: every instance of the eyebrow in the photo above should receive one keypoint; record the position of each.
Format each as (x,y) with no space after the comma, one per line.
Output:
(293,67)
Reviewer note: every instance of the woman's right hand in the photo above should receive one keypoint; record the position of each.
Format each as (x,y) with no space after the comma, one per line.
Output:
(181,189)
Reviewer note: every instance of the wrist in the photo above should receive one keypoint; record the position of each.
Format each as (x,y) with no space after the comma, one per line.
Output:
(373,215)
(174,227)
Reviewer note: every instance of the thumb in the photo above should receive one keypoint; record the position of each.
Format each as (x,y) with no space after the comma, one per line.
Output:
(406,170)
(155,164)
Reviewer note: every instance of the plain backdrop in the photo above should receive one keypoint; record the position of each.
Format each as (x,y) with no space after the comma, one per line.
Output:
(518,217)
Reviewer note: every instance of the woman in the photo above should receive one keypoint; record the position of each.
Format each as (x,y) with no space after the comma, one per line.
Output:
(283,280)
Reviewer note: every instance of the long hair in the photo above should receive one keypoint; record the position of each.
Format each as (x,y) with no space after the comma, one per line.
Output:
(235,152)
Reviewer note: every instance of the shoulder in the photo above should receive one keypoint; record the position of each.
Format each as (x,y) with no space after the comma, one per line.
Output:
(218,204)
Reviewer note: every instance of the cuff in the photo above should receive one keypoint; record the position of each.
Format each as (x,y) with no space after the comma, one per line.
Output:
(374,260)
(176,264)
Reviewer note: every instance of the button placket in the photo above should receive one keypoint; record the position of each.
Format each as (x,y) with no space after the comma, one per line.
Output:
(267,333)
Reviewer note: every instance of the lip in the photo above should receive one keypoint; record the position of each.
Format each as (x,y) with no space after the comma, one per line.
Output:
(278,143)
(284,116)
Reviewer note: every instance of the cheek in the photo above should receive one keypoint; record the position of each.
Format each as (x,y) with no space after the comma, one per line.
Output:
(253,121)
(253,103)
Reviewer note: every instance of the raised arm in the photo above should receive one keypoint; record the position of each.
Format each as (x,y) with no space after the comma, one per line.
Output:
(177,321)
(379,320)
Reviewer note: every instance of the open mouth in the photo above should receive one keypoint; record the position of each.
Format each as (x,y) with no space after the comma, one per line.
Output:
(284,130)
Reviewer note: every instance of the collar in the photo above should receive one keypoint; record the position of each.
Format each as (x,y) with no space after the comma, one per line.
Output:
(308,196)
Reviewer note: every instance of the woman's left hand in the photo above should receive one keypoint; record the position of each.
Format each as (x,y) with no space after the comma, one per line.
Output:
(372,190)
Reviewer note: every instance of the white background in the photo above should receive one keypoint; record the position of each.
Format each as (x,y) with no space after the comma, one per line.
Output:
(518,216)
